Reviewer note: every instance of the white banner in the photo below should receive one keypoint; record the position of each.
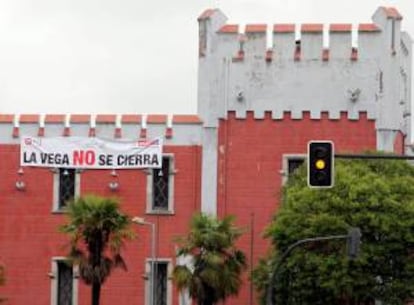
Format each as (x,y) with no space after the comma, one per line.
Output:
(81,152)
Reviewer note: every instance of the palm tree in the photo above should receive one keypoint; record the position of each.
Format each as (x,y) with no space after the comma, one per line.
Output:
(95,226)
(217,265)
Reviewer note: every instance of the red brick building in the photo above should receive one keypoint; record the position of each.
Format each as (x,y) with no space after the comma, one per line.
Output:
(258,106)
(32,204)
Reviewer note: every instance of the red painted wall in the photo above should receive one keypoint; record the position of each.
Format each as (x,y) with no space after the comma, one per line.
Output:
(250,155)
(29,237)
(250,162)
(399,143)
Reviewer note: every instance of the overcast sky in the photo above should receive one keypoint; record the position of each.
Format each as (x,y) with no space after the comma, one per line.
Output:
(131,56)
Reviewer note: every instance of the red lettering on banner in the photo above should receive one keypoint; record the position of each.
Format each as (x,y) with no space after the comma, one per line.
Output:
(90,157)
(80,157)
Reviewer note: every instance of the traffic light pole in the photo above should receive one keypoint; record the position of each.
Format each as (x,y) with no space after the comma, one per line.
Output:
(270,300)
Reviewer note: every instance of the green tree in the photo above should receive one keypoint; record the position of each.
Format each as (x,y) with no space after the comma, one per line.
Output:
(97,231)
(376,196)
(216,266)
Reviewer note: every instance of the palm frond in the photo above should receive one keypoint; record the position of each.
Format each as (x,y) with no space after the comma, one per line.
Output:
(96,224)
(217,265)
(182,276)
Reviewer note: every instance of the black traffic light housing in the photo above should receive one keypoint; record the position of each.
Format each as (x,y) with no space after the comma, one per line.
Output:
(320,164)
(353,242)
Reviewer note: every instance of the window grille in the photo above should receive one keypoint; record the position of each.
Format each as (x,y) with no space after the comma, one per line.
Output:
(160,185)
(66,186)
(161,281)
(65,284)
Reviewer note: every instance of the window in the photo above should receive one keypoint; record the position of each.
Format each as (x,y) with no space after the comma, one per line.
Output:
(294,164)
(64,283)
(66,187)
(161,280)
(162,283)
(160,187)
(290,164)
(160,180)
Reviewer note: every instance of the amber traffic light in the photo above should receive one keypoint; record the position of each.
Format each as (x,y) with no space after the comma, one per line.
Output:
(320,164)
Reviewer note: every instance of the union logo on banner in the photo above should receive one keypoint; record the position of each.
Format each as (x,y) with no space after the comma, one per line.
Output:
(147,142)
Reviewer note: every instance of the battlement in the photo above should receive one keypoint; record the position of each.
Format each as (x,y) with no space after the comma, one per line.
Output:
(308,43)
(297,42)
(301,115)
(175,129)
(334,68)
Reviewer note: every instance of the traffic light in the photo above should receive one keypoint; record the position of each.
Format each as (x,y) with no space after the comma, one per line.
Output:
(320,164)
(353,242)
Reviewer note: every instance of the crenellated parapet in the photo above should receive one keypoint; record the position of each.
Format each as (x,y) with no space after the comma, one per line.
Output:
(174,129)
(292,41)
(315,68)
(311,40)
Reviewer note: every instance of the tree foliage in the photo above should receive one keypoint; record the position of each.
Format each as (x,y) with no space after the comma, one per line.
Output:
(376,196)
(97,231)
(217,265)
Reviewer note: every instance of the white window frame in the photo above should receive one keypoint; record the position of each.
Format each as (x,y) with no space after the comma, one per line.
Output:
(171,173)
(285,164)
(184,295)
(57,208)
(168,261)
(54,281)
